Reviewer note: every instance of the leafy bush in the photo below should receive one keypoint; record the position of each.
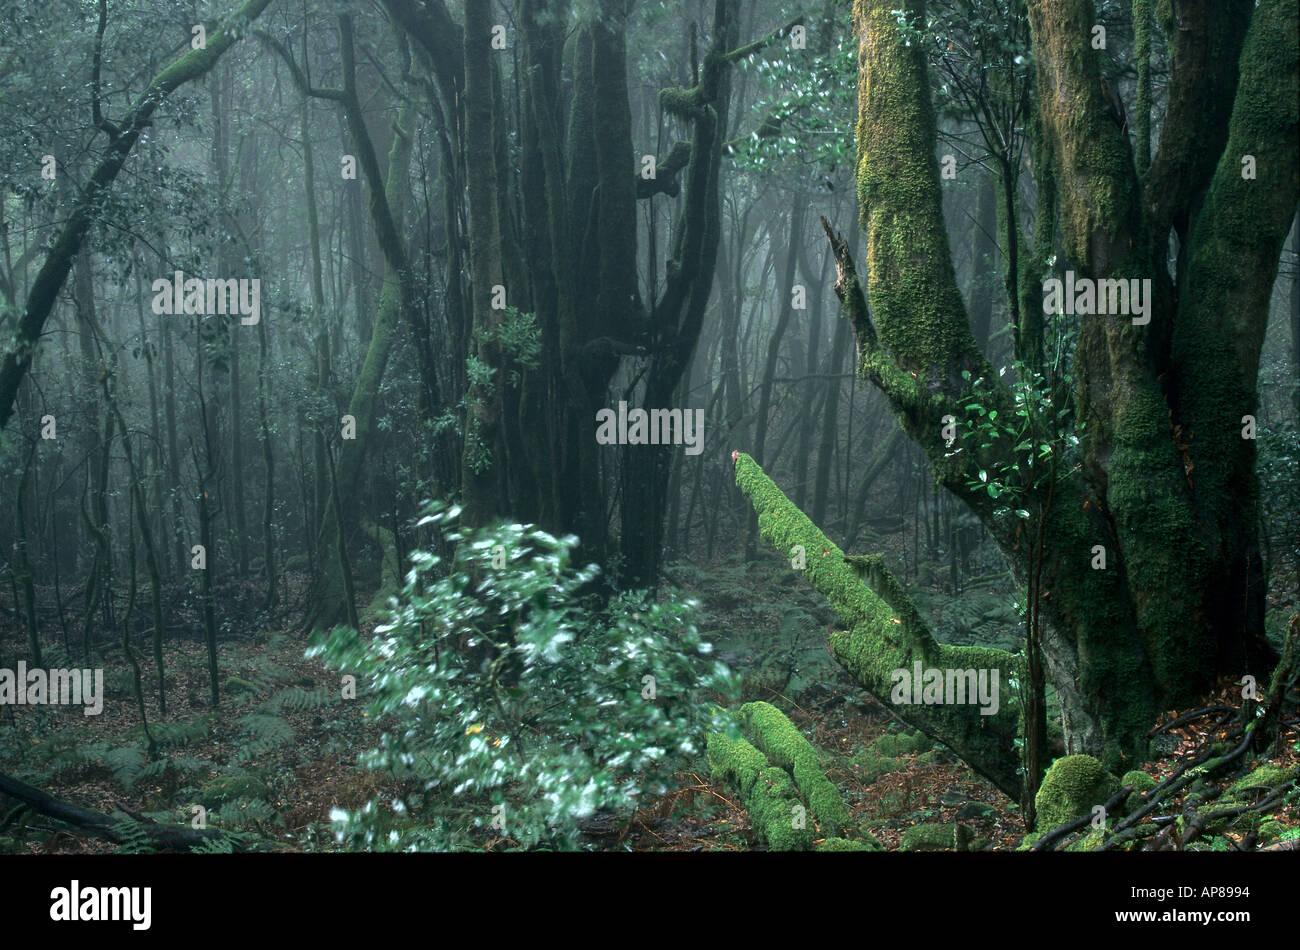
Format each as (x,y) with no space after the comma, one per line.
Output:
(514,707)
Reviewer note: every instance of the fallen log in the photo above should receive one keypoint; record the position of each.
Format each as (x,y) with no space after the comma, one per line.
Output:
(162,837)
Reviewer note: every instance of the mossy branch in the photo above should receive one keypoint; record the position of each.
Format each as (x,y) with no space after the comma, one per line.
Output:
(786,746)
(767,791)
(879,641)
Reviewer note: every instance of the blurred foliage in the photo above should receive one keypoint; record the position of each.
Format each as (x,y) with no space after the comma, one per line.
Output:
(516,707)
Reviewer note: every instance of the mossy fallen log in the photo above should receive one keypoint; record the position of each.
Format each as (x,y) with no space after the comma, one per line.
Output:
(775,812)
(786,746)
(885,633)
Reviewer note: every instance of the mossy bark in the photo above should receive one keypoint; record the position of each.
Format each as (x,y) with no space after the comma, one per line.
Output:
(886,633)
(1165,483)
(767,791)
(785,746)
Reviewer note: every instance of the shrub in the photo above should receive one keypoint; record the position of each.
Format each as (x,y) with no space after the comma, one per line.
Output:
(514,706)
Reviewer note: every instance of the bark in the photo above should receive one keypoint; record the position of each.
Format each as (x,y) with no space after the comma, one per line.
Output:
(1152,629)
(884,633)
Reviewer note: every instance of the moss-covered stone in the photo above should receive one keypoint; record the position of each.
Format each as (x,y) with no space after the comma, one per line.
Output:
(767,790)
(1071,787)
(871,766)
(1268,830)
(974,810)
(1266,775)
(785,746)
(1142,783)
(235,685)
(927,838)
(903,743)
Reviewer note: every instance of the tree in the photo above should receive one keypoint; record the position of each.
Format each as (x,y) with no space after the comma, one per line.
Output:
(122,138)
(1149,567)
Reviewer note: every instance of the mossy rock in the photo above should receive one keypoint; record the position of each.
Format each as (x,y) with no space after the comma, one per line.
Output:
(844,844)
(299,562)
(872,766)
(927,838)
(232,788)
(1142,783)
(234,686)
(902,743)
(1266,775)
(786,747)
(1071,787)
(1268,830)
(974,810)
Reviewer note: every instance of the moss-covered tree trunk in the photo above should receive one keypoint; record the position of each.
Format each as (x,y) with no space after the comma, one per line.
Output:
(1164,482)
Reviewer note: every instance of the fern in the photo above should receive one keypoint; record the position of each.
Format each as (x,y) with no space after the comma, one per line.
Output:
(63,752)
(265,674)
(296,699)
(221,843)
(135,840)
(172,735)
(263,732)
(248,813)
(127,764)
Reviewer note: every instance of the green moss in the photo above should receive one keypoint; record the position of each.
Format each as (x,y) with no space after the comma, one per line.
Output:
(1266,775)
(390,575)
(1268,830)
(1071,787)
(234,686)
(844,844)
(871,766)
(1087,842)
(881,638)
(917,307)
(1028,841)
(904,743)
(927,838)
(785,746)
(767,790)
(1142,783)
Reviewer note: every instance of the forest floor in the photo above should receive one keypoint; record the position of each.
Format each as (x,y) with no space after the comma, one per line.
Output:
(280,753)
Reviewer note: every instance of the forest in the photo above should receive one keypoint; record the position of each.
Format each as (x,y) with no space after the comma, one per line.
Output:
(645,426)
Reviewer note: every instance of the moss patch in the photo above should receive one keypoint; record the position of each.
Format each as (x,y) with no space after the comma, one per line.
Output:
(767,790)
(844,844)
(785,746)
(1071,787)
(927,838)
